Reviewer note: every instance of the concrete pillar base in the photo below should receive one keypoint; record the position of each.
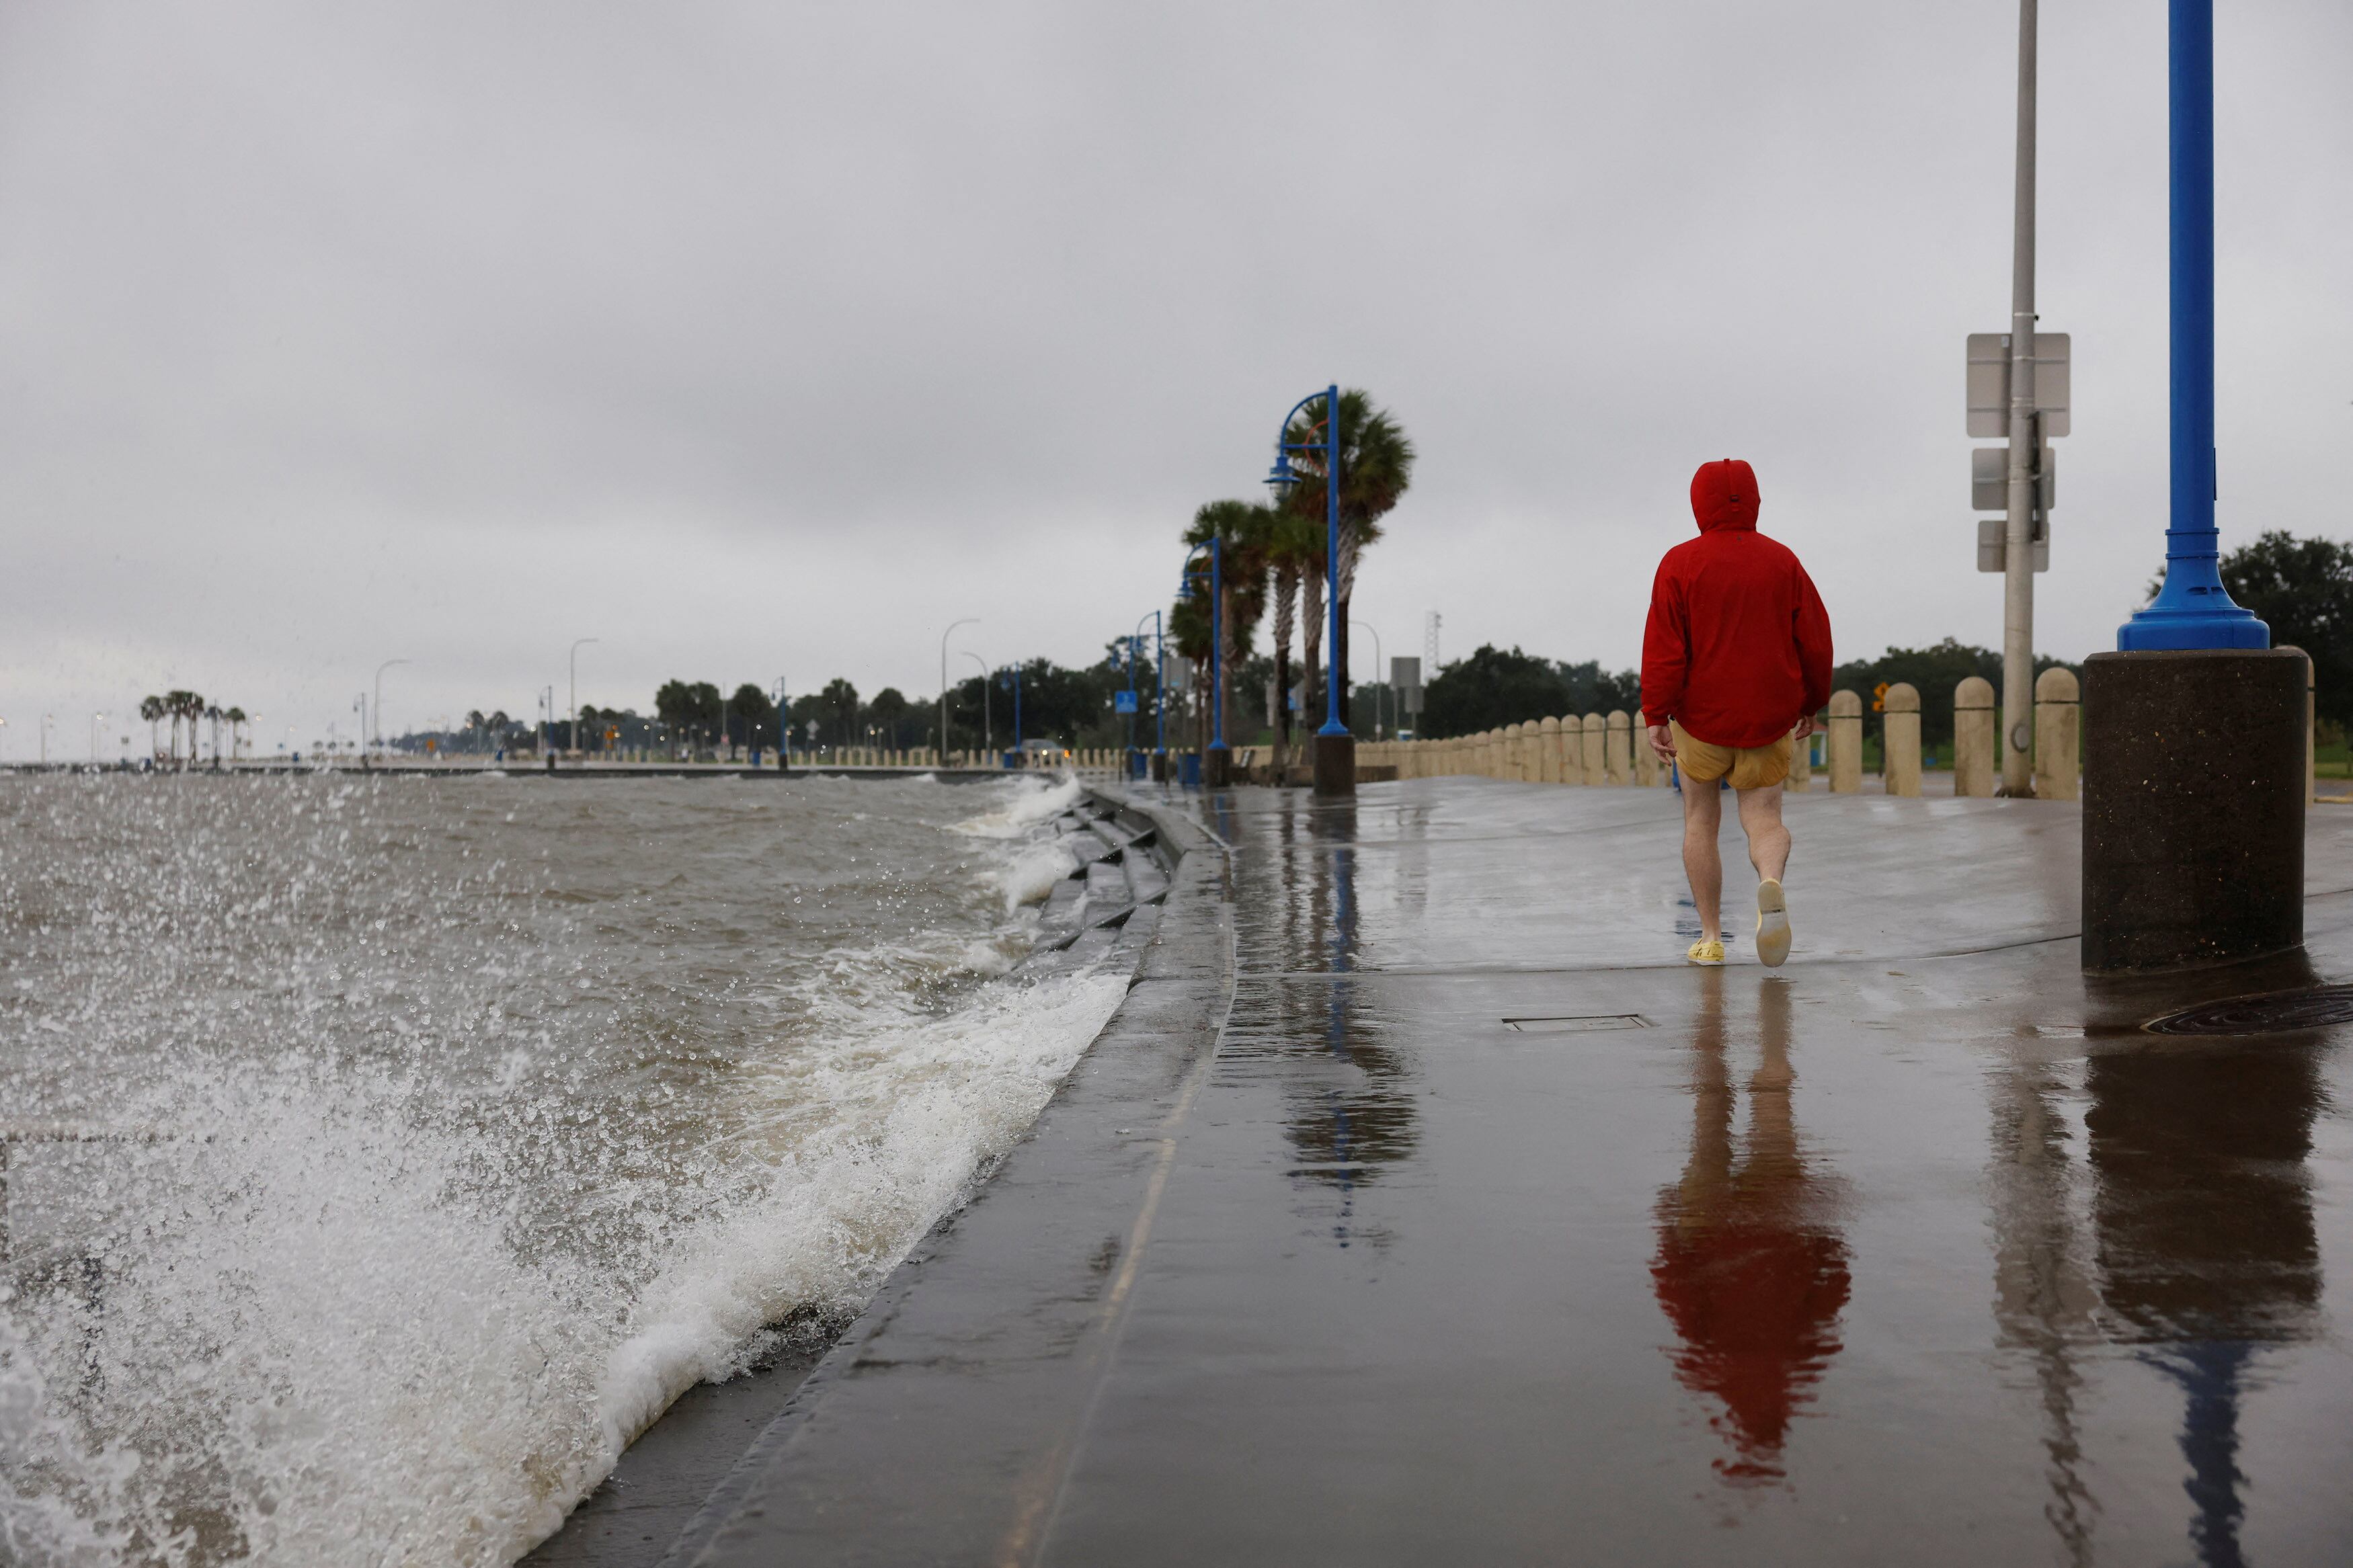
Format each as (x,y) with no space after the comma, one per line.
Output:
(1335,765)
(2193,809)
(1218,768)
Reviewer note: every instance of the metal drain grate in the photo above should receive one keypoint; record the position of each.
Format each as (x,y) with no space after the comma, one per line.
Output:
(1578,1025)
(2270,1012)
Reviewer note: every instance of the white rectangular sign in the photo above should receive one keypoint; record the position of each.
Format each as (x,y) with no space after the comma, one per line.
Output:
(1989,383)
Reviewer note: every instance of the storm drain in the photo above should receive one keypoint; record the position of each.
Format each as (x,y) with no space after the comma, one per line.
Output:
(2269,1013)
(1580,1025)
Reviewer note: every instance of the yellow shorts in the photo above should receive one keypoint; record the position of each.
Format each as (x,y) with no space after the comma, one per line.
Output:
(1751,767)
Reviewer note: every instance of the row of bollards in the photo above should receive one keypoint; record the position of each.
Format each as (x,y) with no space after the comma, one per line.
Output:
(1594,749)
(1606,748)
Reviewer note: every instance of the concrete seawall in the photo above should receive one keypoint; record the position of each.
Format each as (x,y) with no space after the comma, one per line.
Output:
(1148,892)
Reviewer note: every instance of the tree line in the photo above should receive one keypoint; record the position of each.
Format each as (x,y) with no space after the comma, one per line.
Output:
(188,708)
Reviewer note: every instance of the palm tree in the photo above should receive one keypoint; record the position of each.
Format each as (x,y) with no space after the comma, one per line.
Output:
(151,709)
(183,704)
(236,717)
(1375,468)
(1245,530)
(1294,548)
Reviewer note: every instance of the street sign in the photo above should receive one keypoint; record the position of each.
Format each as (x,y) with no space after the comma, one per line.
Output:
(1405,680)
(1123,703)
(1993,543)
(1989,479)
(1988,384)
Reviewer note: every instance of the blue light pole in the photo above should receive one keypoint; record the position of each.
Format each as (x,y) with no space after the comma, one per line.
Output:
(2193,610)
(1335,747)
(2193,852)
(1016,672)
(1159,688)
(1217,763)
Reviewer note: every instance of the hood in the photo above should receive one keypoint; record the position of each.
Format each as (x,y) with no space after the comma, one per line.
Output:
(1723,495)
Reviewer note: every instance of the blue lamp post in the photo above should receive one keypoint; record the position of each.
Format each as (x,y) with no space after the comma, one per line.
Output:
(1217,763)
(2193,610)
(1014,672)
(2195,730)
(1335,747)
(1159,693)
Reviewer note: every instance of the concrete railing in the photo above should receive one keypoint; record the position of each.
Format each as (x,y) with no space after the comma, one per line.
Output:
(1611,749)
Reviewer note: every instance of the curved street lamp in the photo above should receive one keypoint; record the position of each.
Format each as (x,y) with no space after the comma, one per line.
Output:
(968,621)
(1336,748)
(572,725)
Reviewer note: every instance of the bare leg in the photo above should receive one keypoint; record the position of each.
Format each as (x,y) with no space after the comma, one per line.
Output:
(1703,816)
(1768,841)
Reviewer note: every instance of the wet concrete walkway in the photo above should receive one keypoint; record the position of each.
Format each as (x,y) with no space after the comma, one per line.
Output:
(1491,1233)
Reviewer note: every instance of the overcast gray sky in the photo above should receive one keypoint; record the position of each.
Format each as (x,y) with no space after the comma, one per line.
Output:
(764,340)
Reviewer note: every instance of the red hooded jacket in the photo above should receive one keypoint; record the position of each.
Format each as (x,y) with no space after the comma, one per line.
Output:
(1738,645)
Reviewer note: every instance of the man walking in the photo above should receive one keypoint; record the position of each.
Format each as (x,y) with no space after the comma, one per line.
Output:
(1736,663)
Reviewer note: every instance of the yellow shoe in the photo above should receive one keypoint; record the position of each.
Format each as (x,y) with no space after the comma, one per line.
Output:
(1772,925)
(1706,951)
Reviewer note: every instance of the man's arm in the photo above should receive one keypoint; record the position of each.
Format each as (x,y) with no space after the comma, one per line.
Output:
(1666,652)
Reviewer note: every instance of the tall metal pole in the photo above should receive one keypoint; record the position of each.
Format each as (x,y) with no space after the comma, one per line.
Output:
(2018,529)
(2193,610)
(1217,643)
(987,679)
(1159,685)
(572,725)
(1380,663)
(968,621)
(1332,725)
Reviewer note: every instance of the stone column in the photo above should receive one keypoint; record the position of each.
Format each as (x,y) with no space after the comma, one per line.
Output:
(1515,751)
(1973,735)
(1801,766)
(1548,752)
(1593,749)
(1846,743)
(1900,740)
(2058,736)
(2193,808)
(1617,763)
(1568,760)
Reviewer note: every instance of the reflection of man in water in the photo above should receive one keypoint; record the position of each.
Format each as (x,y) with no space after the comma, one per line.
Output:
(1749,1269)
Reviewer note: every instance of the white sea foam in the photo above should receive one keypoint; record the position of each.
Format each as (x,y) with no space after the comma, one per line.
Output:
(1033,801)
(453,1189)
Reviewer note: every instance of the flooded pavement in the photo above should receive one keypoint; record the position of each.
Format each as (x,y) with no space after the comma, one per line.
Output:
(1493,1233)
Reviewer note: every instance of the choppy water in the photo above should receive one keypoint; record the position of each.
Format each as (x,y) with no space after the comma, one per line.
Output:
(451,1127)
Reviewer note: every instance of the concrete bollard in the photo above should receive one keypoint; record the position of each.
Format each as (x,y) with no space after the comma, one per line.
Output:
(1616,761)
(1570,750)
(1973,735)
(1515,752)
(1900,740)
(2058,736)
(1646,760)
(2193,808)
(1801,765)
(1593,748)
(1548,752)
(1846,743)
